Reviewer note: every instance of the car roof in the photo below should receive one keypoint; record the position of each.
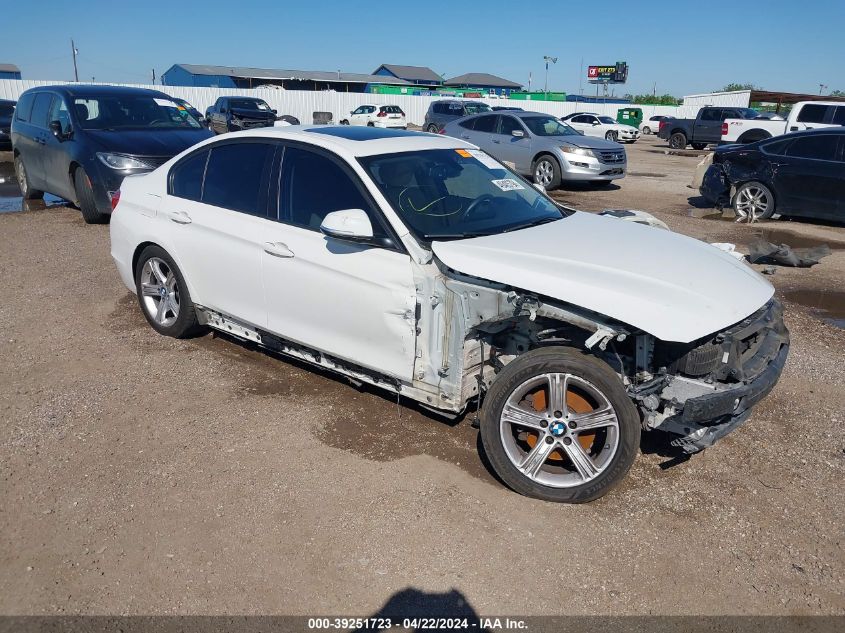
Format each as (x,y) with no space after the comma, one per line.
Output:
(819,131)
(354,141)
(84,90)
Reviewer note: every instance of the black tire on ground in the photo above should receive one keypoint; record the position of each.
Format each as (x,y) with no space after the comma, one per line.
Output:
(432,128)
(370,124)
(186,324)
(27,192)
(646,130)
(611,136)
(85,199)
(678,140)
(344,121)
(565,360)
(553,169)
(699,145)
(750,186)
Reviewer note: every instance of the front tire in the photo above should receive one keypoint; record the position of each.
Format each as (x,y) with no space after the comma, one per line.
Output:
(27,192)
(611,136)
(546,172)
(753,201)
(163,295)
(85,198)
(557,425)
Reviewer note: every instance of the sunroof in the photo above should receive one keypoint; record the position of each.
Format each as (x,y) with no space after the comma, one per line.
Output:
(360,133)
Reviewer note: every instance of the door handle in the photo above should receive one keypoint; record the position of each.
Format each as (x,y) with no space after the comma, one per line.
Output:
(277,249)
(793,128)
(180,217)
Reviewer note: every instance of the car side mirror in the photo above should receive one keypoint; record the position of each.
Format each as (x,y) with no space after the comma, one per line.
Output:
(274,111)
(518,133)
(350,225)
(56,129)
(595,123)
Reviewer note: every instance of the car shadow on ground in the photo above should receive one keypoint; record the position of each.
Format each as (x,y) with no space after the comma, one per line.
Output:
(700,202)
(418,608)
(659,443)
(586,186)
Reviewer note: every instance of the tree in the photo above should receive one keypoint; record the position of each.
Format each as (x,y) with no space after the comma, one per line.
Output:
(837,93)
(734,87)
(648,99)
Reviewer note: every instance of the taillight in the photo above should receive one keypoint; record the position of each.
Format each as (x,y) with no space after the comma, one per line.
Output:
(382,113)
(662,125)
(724,129)
(115,198)
(442,130)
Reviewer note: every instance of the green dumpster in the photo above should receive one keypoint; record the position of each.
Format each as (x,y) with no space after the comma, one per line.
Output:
(630,116)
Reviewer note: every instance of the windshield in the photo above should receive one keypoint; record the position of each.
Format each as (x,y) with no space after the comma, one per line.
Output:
(115,112)
(443,194)
(548,126)
(476,108)
(248,104)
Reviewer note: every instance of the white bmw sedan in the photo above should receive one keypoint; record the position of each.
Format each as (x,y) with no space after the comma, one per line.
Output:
(419,264)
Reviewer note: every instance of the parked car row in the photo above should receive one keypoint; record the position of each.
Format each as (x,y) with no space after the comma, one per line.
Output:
(460,283)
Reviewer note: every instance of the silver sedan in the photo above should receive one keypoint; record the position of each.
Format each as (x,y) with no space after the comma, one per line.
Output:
(542,147)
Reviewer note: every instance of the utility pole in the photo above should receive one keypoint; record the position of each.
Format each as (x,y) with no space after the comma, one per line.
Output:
(548,59)
(822,88)
(74,52)
(154,75)
(581,77)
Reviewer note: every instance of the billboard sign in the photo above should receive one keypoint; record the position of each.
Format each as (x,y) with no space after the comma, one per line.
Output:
(616,74)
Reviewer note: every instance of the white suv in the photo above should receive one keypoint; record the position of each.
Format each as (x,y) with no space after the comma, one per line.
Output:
(419,264)
(602,126)
(377,116)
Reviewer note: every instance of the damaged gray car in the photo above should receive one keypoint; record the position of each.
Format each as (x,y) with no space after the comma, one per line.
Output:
(432,271)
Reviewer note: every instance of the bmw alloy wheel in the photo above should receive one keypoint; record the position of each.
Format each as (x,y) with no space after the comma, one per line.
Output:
(160,292)
(559,430)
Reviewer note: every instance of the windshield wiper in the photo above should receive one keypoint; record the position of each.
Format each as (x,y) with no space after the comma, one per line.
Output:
(455,236)
(530,224)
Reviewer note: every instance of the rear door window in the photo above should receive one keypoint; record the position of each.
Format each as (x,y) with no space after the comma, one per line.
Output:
(24,107)
(839,115)
(186,178)
(813,113)
(468,123)
(236,177)
(486,123)
(41,108)
(711,114)
(817,146)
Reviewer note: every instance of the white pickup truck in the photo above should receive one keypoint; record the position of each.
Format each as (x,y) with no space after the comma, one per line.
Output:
(805,115)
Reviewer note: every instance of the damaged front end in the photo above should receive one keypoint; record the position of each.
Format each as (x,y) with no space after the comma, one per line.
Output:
(704,390)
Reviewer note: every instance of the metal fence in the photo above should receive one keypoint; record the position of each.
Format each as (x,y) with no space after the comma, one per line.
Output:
(303,103)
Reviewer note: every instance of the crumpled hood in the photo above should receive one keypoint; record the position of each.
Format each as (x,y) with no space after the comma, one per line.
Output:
(148,142)
(674,287)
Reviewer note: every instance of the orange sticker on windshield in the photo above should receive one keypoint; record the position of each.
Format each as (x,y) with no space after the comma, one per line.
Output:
(464,153)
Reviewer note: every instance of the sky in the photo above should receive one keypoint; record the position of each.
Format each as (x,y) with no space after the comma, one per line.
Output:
(673,47)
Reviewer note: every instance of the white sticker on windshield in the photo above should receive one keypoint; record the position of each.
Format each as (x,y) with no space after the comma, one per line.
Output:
(167,103)
(488,161)
(507,184)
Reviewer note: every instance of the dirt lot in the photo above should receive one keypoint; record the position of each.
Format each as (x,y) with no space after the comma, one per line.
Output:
(146,475)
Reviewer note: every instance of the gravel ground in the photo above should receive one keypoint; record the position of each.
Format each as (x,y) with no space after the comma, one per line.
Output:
(145,475)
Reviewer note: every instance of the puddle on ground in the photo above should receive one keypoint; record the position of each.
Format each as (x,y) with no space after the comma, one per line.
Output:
(828,305)
(790,238)
(10,194)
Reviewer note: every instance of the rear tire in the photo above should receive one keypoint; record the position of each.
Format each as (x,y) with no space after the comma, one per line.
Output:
(433,129)
(546,172)
(85,198)
(646,130)
(579,452)
(27,192)
(699,146)
(159,281)
(678,140)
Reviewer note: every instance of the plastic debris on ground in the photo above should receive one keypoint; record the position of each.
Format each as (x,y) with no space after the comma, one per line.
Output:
(729,248)
(763,252)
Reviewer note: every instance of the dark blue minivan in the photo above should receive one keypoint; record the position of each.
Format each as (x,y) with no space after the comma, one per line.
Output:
(78,142)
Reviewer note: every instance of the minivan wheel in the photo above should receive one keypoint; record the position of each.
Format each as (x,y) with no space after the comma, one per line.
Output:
(432,128)
(557,425)
(163,295)
(611,136)
(546,172)
(85,198)
(753,201)
(27,192)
